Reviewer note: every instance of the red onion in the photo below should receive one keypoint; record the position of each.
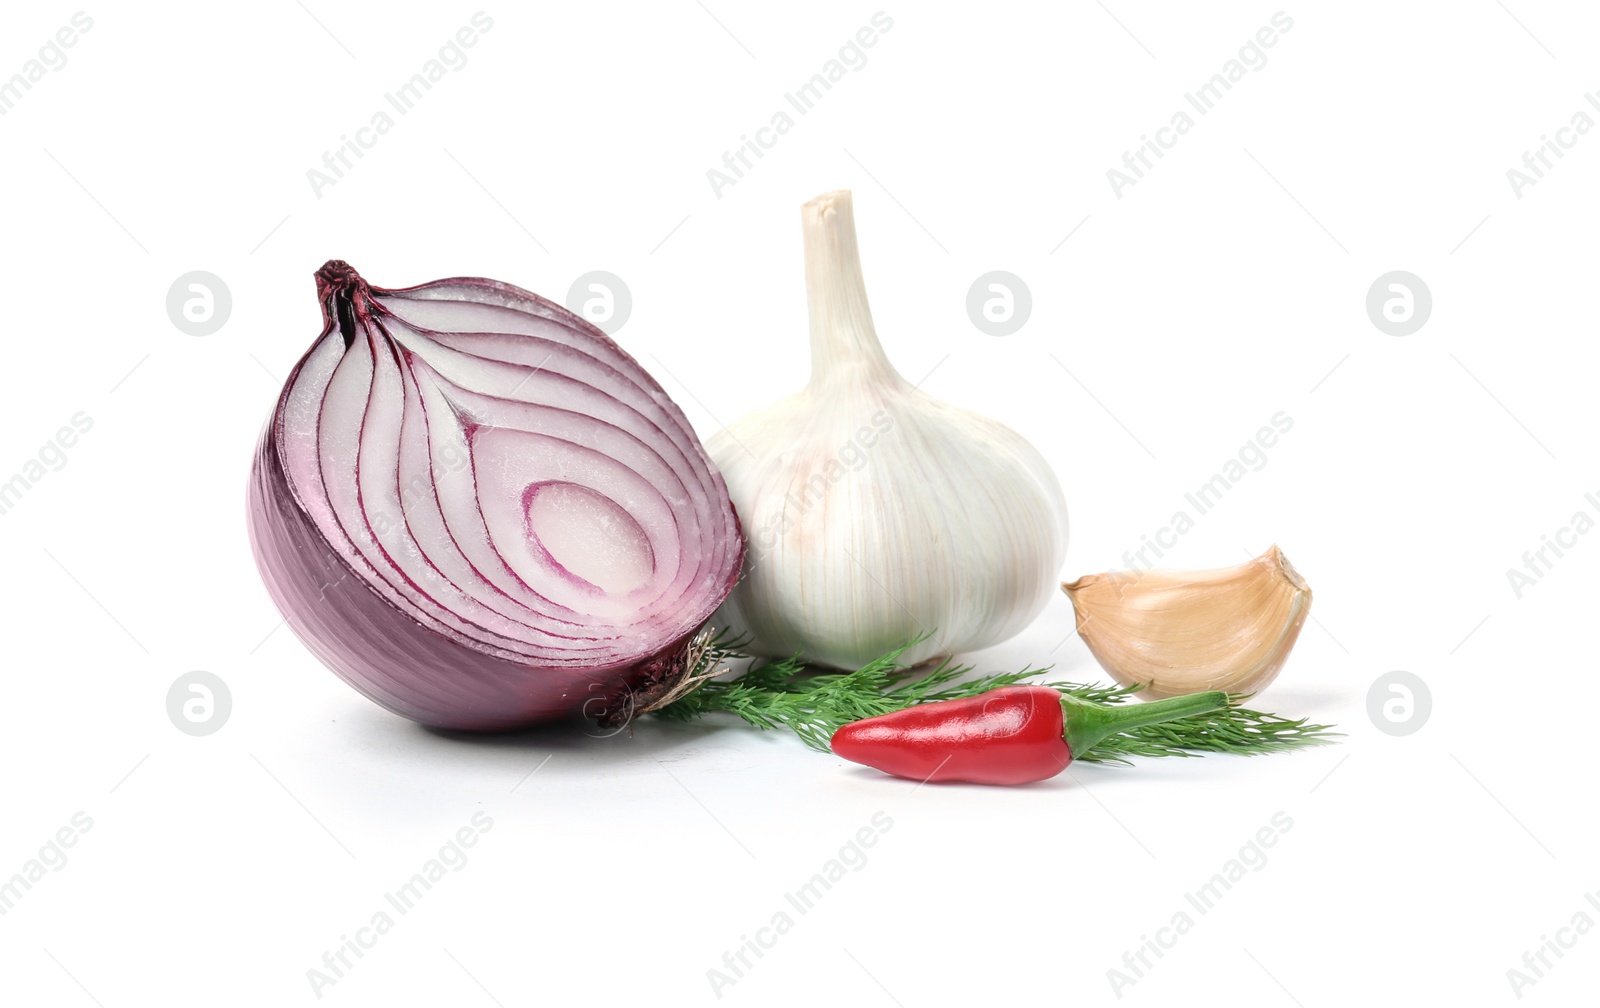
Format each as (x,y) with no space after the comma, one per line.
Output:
(481,512)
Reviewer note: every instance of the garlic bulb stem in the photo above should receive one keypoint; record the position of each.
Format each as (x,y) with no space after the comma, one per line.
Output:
(844,344)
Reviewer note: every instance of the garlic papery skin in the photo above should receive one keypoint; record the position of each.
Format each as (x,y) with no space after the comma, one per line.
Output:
(875,514)
(1189,631)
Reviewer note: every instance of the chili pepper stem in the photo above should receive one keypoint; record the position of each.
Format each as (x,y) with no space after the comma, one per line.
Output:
(1089,723)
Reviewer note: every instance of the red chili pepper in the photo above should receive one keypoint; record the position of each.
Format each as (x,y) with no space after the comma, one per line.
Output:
(1011,735)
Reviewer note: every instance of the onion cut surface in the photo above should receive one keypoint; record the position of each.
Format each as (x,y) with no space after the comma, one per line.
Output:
(480,511)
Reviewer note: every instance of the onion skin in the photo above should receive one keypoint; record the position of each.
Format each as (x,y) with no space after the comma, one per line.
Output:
(416,671)
(390,658)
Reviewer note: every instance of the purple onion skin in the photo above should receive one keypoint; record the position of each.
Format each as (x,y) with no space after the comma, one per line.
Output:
(389,657)
(398,663)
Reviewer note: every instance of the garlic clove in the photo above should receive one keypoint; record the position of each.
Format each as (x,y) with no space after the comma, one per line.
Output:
(1187,631)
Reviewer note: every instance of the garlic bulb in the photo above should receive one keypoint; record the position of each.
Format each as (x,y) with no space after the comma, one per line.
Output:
(875,514)
(1188,631)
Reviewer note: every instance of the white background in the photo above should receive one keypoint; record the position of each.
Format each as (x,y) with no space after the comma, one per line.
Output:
(1227,285)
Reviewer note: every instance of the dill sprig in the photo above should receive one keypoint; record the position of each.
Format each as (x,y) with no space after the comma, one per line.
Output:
(783,694)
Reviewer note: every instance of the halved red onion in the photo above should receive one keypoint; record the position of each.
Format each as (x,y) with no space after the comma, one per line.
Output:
(481,512)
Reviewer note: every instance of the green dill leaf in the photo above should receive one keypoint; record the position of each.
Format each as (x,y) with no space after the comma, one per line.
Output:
(779,694)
